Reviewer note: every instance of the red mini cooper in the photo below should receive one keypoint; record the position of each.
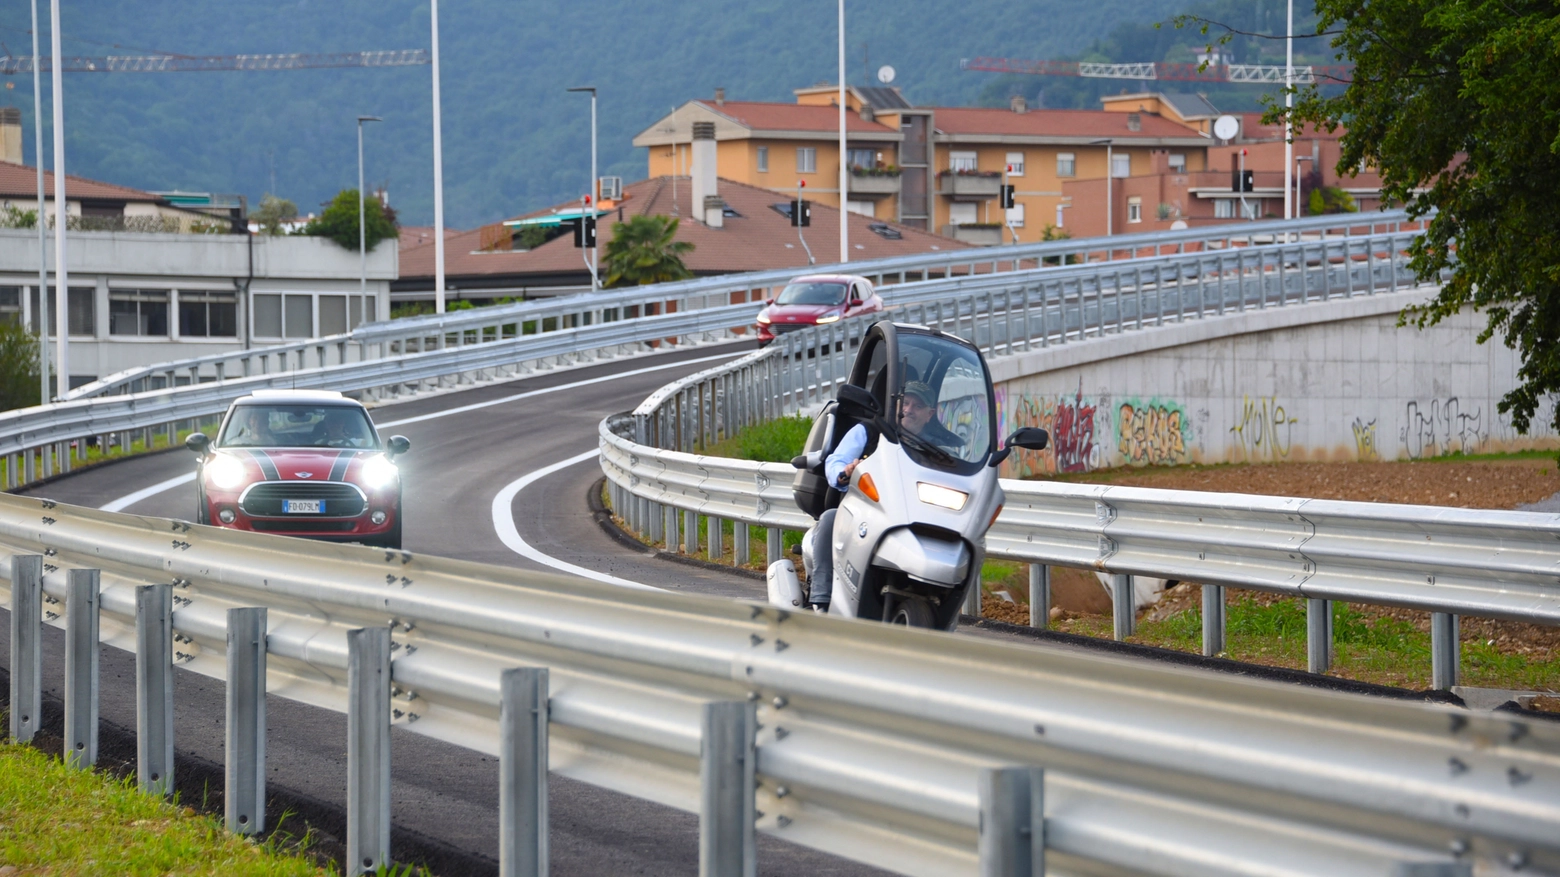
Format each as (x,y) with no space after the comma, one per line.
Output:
(300,463)
(814,300)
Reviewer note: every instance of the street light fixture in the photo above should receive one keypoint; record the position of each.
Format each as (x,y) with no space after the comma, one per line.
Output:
(362,229)
(595,190)
(1110,172)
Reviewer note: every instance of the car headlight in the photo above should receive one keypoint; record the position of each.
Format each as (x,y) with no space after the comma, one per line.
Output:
(936,494)
(378,472)
(831,318)
(225,471)
(763,319)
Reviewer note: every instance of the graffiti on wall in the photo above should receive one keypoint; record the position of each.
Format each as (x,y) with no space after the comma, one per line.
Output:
(1263,429)
(1365,441)
(1153,433)
(1441,427)
(1072,423)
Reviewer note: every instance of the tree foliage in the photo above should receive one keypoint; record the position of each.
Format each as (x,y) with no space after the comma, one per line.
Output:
(645,250)
(19,381)
(339,221)
(1458,105)
(274,211)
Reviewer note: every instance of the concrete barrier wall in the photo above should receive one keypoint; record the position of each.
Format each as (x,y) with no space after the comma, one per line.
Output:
(1334,381)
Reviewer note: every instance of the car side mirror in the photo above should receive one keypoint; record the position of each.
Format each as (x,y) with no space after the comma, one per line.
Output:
(198,442)
(1030,438)
(398,445)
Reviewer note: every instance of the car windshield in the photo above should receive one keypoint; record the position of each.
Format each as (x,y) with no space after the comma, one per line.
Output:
(298,426)
(812,294)
(945,411)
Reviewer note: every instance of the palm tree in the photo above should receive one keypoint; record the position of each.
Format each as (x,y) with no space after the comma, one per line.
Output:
(646,250)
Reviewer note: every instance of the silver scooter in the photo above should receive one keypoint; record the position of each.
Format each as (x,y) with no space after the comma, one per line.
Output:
(910,528)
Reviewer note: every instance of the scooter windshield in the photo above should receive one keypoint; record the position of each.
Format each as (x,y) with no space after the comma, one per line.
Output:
(945,411)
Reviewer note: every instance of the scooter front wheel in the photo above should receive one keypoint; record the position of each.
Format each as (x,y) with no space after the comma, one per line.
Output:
(909,612)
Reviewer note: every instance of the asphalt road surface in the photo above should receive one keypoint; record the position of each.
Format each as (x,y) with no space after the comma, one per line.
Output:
(466,448)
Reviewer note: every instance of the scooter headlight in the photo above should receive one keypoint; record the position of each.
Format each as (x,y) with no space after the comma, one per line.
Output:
(936,494)
(378,472)
(225,471)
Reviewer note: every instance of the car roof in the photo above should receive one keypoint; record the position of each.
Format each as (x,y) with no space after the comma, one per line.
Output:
(830,278)
(297,397)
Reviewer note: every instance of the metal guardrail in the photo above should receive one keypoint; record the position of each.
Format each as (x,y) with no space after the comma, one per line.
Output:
(396,337)
(1448,562)
(914,751)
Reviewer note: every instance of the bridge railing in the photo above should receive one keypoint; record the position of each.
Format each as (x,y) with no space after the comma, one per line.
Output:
(458,328)
(916,752)
(1446,562)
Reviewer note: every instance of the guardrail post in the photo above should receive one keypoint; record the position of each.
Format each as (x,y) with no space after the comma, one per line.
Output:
(972,596)
(1012,822)
(669,516)
(368,749)
(81,668)
(726,807)
(1319,634)
(1445,652)
(26,645)
(741,549)
(244,774)
(657,516)
(774,543)
(522,784)
(690,533)
(1213,619)
(1123,605)
(1039,595)
(154,689)
(713,539)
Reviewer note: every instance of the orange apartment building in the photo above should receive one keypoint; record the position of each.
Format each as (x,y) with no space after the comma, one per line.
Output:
(940,168)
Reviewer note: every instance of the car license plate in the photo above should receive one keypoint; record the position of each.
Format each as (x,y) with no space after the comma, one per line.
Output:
(304,506)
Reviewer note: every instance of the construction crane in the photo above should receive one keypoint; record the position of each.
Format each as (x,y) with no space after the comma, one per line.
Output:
(1194,72)
(11,65)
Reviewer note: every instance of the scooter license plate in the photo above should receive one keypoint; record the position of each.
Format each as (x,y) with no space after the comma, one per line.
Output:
(304,506)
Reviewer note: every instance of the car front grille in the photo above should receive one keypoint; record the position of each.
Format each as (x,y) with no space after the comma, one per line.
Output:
(267,499)
(782,328)
(307,525)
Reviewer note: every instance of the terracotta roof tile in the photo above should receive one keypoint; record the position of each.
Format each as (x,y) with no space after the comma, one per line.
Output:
(1055,123)
(760,239)
(761,116)
(21,181)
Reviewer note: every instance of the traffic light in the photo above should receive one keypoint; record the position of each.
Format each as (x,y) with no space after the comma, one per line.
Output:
(801,213)
(585,232)
(1007,197)
(1243,181)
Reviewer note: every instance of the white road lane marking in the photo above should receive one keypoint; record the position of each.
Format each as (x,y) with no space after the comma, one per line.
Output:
(504,525)
(130,499)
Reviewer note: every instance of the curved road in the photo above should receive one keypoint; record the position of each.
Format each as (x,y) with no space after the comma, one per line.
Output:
(532,439)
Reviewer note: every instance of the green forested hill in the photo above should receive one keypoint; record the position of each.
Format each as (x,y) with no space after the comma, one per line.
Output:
(513,139)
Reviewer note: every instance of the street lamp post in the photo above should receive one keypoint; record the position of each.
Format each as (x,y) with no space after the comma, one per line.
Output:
(1298,178)
(1110,172)
(1289,103)
(438,174)
(61,281)
(362,229)
(43,235)
(844,170)
(595,191)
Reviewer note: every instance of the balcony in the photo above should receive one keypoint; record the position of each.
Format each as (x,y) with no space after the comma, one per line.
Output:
(870,185)
(969,186)
(983,235)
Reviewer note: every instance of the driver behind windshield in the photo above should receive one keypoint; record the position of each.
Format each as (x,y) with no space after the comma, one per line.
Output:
(917,416)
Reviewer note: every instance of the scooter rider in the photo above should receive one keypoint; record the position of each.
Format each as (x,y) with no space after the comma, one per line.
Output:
(917,416)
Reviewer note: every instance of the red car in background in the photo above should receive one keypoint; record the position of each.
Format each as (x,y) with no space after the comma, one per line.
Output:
(814,300)
(300,463)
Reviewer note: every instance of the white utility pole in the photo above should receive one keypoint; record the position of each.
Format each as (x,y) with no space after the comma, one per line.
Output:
(438,176)
(593,200)
(61,278)
(1289,105)
(844,168)
(43,234)
(362,229)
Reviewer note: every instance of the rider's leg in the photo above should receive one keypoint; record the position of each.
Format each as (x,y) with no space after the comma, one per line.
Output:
(820,566)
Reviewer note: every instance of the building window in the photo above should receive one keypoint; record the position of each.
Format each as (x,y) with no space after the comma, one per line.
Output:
(861,157)
(1015,164)
(11,304)
(865,208)
(807,160)
(1224,208)
(1066,164)
(1120,165)
(140,312)
(1015,216)
(268,316)
(962,161)
(1252,208)
(1060,212)
(1134,209)
(333,315)
(1178,162)
(763,159)
(963,213)
(208,314)
(299,315)
(82,304)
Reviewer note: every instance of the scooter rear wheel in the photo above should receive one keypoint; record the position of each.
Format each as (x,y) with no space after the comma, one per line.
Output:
(910,612)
